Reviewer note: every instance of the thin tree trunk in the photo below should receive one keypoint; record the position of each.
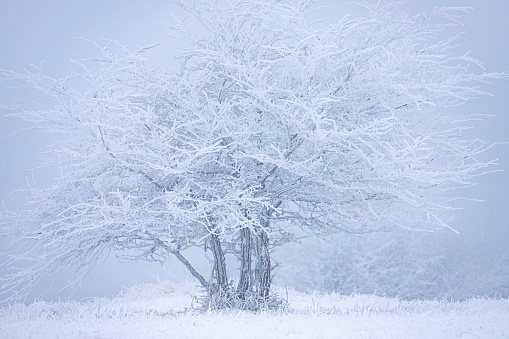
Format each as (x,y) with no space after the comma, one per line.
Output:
(245,263)
(263,265)
(182,259)
(191,269)
(219,262)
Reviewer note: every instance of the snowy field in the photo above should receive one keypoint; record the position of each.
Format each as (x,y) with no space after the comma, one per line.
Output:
(167,310)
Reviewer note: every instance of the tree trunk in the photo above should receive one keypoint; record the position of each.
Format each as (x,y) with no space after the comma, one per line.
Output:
(219,262)
(191,269)
(263,265)
(245,262)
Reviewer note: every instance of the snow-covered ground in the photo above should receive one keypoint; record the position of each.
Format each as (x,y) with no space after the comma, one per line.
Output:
(165,310)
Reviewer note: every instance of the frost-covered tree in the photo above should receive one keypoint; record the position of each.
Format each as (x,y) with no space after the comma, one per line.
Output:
(402,264)
(273,126)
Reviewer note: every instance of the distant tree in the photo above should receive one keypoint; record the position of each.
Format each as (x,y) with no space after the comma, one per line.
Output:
(273,126)
(402,264)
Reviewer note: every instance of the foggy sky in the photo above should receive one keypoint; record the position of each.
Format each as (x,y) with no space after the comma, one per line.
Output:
(42,32)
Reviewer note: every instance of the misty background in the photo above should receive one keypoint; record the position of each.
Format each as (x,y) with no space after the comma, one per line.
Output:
(44,33)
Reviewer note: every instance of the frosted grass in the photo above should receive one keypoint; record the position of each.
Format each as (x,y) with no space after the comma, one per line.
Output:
(169,310)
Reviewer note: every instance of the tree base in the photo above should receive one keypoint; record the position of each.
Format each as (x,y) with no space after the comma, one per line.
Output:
(249,301)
